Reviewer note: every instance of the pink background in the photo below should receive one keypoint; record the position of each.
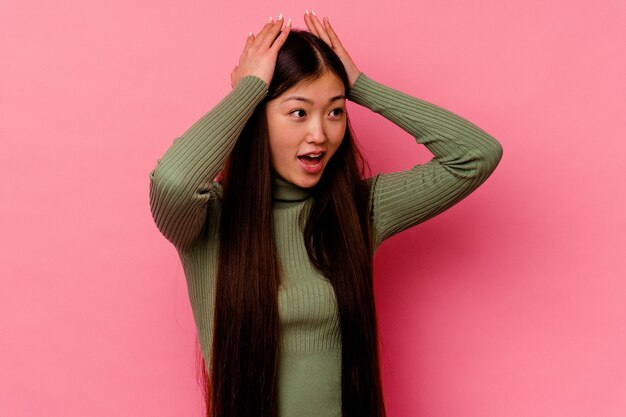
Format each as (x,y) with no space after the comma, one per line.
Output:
(509,304)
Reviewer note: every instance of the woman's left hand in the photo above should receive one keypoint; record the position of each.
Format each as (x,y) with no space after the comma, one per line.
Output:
(326,33)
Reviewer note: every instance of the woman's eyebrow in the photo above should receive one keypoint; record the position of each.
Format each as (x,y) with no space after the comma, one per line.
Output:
(306,100)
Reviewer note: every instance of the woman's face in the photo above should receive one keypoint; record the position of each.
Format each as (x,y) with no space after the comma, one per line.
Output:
(306,125)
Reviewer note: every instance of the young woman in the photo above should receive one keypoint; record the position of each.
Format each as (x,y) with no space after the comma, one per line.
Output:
(277,252)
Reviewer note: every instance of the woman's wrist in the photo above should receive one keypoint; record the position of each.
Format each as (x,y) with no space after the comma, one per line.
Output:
(352,76)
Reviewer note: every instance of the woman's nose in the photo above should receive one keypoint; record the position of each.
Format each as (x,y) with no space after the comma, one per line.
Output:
(316,133)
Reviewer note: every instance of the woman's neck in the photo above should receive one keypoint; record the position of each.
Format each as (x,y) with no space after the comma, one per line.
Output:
(286,191)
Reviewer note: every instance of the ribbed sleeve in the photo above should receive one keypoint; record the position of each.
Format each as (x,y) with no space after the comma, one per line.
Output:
(464,157)
(181,181)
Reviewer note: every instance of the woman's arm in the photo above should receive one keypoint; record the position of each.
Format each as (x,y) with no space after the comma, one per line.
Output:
(182,178)
(181,182)
(465,156)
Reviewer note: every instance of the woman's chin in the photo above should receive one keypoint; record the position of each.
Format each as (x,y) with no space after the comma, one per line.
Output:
(301,178)
(305,182)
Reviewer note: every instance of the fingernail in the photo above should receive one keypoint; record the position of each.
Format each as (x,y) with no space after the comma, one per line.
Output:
(306,11)
(249,34)
(313,11)
(280,16)
(289,22)
(271,19)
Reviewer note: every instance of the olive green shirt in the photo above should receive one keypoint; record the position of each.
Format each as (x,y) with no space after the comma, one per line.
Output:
(185,201)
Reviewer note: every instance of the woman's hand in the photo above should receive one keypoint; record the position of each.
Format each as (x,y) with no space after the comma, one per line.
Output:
(326,33)
(259,54)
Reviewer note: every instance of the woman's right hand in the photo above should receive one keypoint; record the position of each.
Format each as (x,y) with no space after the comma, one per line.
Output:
(259,54)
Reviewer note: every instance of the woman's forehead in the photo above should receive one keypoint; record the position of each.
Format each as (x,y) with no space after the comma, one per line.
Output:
(321,90)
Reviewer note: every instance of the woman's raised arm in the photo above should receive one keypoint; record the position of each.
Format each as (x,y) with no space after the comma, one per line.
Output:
(465,155)
(180,183)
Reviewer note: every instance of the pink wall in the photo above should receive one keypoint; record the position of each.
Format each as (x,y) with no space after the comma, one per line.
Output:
(509,304)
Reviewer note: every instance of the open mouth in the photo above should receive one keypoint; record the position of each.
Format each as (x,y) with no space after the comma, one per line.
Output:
(311,159)
(312,162)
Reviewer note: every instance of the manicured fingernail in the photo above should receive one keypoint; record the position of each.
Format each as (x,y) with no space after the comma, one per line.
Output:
(280,16)
(271,19)
(313,11)
(306,11)
(289,22)
(249,34)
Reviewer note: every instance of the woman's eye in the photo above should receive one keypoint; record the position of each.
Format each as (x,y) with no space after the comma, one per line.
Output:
(338,111)
(299,113)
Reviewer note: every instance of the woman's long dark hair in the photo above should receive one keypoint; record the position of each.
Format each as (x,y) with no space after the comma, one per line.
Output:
(337,233)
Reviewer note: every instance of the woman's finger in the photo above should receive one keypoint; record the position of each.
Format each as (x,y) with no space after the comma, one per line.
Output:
(334,39)
(249,41)
(280,40)
(263,32)
(309,24)
(319,28)
(272,33)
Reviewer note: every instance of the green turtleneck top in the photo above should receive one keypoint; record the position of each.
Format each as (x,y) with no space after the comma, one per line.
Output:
(185,203)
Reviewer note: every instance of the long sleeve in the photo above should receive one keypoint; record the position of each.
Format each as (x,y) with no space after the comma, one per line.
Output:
(464,157)
(180,183)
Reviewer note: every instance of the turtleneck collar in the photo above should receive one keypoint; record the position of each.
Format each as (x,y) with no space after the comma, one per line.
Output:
(286,191)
